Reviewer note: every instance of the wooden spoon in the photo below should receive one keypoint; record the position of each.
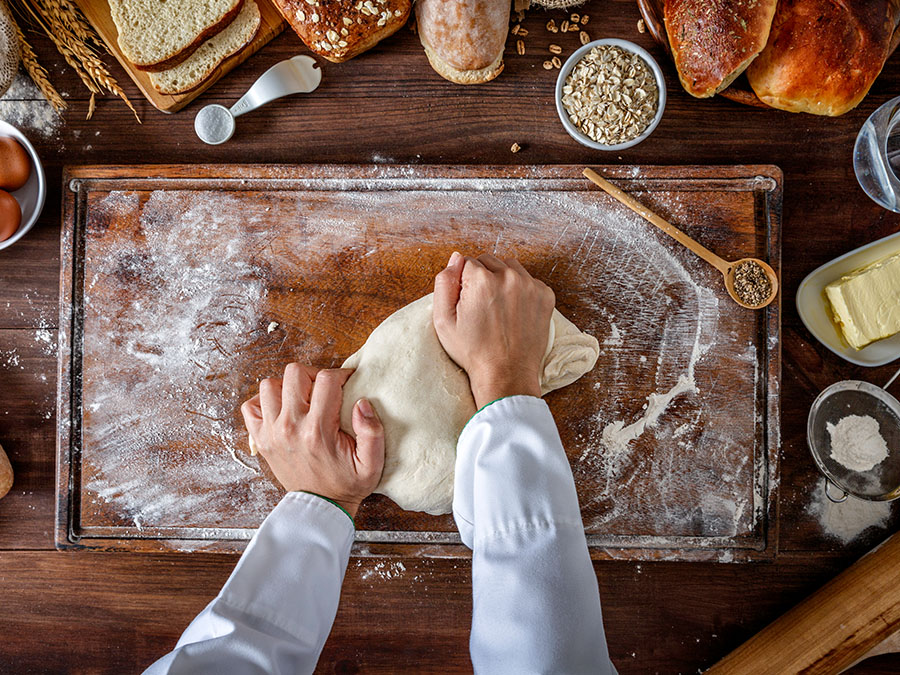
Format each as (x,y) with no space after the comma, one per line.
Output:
(725,267)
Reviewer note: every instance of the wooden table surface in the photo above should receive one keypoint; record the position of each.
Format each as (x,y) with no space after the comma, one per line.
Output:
(116,613)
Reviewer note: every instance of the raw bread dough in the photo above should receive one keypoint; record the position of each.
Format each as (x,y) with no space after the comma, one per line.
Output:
(424,400)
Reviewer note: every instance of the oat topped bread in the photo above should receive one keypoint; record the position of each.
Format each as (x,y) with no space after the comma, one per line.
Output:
(823,56)
(713,41)
(341,29)
(159,34)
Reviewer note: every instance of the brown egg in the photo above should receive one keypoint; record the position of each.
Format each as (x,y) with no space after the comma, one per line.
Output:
(10,215)
(15,166)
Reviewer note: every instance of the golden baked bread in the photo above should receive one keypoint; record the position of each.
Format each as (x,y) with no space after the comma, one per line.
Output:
(713,41)
(824,55)
(464,39)
(341,29)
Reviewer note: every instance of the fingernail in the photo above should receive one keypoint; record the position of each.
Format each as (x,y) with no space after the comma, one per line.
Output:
(453,258)
(366,408)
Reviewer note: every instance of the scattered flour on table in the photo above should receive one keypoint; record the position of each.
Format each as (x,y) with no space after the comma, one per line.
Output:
(160,422)
(857,443)
(25,108)
(383,570)
(849,519)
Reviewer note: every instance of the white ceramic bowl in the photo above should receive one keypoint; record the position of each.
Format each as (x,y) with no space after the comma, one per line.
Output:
(570,64)
(31,195)
(814,312)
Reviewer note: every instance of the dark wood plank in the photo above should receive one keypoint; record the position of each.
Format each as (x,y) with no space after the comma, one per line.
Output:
(130,610)
(28,435)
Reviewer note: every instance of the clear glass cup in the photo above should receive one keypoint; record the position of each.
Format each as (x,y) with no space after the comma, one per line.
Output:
(876,155)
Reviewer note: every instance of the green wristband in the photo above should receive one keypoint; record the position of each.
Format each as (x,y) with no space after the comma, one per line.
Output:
(331,501)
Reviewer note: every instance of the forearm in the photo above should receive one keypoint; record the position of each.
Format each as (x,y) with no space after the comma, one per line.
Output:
(276,610)
(536,604)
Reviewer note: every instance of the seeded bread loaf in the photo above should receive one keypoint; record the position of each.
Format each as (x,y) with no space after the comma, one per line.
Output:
(823,56)
(159,34)
(713,41)
(338,30)
(464,39)
(200,65)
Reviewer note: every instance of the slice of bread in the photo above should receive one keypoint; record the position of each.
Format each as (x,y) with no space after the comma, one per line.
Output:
(159,34)
(200,65)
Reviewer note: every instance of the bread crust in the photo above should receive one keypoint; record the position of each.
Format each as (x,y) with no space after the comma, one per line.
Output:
(713,41)
(823,55)
(171,92)
(181,56)
(338,30)
(464,39)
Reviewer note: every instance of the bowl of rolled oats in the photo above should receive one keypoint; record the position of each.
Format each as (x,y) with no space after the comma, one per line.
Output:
(610,94)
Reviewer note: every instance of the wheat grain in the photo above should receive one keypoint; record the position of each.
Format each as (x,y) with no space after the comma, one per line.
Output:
(38,74)
(73,36)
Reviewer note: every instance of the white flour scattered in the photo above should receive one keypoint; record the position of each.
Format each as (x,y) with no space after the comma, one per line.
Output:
(161,421)
(25,108)
(383,571)
(849,519)
(857,443)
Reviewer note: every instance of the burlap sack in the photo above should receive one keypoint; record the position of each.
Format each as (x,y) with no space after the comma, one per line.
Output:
(9,49)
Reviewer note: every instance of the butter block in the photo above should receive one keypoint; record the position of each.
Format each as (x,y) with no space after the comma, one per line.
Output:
(866,303)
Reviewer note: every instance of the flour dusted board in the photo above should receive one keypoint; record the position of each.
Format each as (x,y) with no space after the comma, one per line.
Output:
(182,285)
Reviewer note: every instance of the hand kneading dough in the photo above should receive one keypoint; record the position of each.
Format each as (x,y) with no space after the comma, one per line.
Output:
(424,400)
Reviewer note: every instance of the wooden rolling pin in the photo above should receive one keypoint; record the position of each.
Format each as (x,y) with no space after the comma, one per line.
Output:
(832,628)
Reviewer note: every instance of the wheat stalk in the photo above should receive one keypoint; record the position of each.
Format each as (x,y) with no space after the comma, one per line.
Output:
(73,36)
(38,74)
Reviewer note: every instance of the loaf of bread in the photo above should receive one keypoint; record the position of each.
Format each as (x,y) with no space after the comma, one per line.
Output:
(713,41)
(823,55)
(159,34)
(464,39)
(201,64)
(338,30)
(6,473)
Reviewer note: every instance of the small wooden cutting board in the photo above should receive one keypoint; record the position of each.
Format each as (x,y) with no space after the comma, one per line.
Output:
(182,286)
(98,13)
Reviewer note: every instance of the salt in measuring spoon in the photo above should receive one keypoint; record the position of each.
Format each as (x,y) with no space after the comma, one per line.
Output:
(726,267)
(215,124)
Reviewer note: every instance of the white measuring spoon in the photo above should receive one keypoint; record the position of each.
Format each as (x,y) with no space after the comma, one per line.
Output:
(215,123)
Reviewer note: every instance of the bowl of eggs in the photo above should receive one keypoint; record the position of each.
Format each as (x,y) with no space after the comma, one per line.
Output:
(23,187)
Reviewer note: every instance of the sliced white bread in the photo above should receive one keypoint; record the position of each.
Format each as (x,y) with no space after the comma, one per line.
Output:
(159,34)
(200,65)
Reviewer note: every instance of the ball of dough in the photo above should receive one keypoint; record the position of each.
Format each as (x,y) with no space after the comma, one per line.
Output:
(424,399)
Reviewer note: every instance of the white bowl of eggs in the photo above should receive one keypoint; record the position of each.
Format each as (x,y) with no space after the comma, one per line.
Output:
(23,187)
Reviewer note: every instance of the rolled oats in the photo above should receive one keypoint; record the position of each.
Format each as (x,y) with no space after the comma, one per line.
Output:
(611,95)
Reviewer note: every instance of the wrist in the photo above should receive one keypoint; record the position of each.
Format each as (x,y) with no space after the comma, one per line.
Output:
(486,390)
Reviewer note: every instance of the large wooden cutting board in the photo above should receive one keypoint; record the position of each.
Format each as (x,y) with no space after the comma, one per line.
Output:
(98,13)
(183,285)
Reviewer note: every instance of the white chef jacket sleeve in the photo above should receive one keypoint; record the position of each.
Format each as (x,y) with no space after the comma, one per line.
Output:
(275,611)
(536,604)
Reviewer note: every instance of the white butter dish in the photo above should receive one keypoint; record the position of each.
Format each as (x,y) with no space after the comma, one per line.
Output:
(814,310)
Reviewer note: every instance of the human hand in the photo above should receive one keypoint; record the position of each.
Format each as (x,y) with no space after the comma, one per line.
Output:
(295,424)
(493,319)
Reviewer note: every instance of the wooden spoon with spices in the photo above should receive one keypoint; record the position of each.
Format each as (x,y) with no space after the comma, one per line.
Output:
(751,282)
